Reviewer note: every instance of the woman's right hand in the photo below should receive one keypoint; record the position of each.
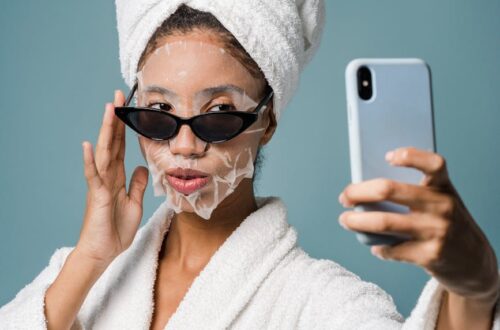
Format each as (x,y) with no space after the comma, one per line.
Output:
(112,215)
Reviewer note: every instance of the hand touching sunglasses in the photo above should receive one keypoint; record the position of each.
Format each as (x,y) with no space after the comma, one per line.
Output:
(211,127)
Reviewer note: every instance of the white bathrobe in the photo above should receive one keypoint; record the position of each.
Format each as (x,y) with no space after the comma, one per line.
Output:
(258,279)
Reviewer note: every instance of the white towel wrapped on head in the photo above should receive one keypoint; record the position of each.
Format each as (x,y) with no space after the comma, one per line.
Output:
(280,35)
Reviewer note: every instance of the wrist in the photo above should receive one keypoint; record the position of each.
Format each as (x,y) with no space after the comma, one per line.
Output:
(482,302)
(95,265)
(459,312)
(491,296)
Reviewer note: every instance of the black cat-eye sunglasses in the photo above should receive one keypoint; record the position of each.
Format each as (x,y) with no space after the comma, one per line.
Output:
(212,127)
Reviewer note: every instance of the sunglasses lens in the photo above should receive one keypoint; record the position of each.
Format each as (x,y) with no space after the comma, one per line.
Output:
(153,124)
(217,126)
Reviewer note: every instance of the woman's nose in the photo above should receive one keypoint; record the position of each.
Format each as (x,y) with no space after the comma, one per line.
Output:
(186,143)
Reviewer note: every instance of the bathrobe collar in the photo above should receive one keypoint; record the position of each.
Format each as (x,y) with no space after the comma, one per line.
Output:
(225,284)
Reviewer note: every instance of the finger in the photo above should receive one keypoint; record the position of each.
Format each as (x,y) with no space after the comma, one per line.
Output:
(119,98)
(382,189)
(419,226)
(415,252)
(90,169)
(121,151)
(104,141)
(432,164)
(119,136)
(138,184)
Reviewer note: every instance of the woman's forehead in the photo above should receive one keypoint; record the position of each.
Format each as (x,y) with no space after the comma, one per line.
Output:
(195,65)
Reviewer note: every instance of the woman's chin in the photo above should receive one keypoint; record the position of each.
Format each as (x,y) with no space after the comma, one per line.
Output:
(202,201)
(192,201)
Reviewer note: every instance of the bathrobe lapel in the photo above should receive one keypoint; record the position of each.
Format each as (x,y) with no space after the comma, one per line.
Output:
(235,271)
(221,290)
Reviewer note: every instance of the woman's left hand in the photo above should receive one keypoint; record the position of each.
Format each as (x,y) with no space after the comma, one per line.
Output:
(446,241)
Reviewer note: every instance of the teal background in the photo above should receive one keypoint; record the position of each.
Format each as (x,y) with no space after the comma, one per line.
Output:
(59,65)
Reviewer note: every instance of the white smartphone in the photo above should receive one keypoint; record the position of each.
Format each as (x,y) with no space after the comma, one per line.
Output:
(389,105)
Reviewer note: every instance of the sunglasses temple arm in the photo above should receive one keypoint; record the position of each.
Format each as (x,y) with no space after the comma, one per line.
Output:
(130,95)
(264,101)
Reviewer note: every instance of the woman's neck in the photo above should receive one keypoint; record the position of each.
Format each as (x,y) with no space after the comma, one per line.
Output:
(193,240)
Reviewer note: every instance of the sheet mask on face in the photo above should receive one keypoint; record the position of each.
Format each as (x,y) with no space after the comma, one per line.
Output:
(179,77)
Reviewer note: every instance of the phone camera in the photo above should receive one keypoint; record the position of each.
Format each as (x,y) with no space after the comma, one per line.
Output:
(365,89)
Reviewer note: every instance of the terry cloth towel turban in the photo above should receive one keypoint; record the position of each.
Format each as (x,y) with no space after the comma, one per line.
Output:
(280,35)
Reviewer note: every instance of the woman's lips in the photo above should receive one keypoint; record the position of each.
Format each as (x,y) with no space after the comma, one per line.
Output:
(186,181)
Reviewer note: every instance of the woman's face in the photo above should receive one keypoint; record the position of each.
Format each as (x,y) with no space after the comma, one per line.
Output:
(187,75)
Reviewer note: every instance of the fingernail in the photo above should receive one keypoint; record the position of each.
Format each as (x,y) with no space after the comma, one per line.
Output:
(379,253)
(389,156)
(342,221)
(341,198)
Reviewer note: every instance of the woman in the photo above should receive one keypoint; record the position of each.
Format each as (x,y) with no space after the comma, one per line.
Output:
(213,255)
